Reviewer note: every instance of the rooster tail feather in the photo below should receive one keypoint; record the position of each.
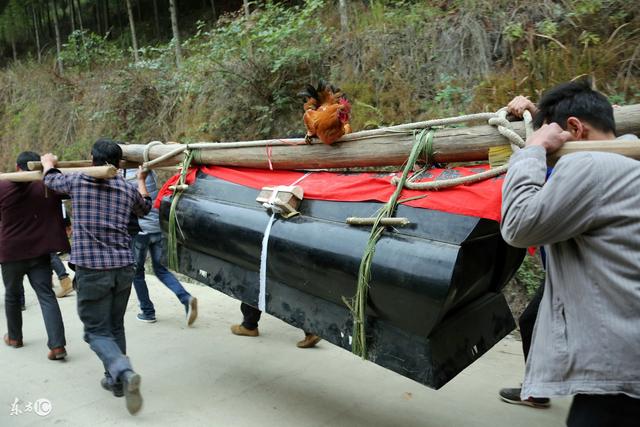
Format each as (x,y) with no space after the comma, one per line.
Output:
(309,92)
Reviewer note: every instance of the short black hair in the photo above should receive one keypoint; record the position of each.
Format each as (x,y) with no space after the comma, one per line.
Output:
(577,99)
(106,151)
(26,157)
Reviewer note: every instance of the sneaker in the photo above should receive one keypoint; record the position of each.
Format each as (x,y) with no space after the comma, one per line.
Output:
(192,310)
(115,388)
(57,353)
(12,343)
(242,331)
(146,318)
(66,287)
(131,386)
(310,340)
(512,395)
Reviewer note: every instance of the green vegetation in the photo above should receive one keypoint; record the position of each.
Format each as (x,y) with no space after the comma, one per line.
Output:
(530,275)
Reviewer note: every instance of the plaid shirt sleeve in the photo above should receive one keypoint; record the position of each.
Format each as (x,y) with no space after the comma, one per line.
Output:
(56,181)
(141,205)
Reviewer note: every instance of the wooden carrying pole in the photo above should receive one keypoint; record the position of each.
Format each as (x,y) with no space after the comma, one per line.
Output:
(37,166)
(370,148)
(101,172)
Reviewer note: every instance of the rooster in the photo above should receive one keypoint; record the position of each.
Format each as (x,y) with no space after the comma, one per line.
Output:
(326,113)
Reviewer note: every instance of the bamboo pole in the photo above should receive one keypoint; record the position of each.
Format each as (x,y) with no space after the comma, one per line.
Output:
(37,166)
(380,147)
(101,172)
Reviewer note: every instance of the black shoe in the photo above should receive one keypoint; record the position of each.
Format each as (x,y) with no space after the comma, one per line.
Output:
(512,395)
(115,388)
(131,384)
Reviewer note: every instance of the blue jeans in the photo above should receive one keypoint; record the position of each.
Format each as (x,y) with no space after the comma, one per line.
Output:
(153,243)
(102,301)
(58,266)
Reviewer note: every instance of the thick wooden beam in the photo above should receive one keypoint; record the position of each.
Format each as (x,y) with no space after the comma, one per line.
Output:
(379,147)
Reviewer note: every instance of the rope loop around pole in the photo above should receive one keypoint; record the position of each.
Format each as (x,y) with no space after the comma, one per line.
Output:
(145,154)
(497,119)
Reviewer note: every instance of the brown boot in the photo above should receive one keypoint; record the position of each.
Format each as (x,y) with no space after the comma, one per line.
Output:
(12,343)
(241,330)
(66,287)
(57,353)
(309,341)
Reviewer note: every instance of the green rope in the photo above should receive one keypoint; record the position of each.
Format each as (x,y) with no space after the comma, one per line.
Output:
(358,304)
(172,238)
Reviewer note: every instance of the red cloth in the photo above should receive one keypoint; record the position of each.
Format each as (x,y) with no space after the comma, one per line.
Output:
(481,200)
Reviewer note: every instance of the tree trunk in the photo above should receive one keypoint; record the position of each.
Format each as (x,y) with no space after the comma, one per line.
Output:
(139,10)
(13,48)
(58,39)
(106,17)
(77,2)
(247,11)
(344,21)
(96,6)
(37,33)
(174,28)
(377,148)
(132,24)
(213,10)
(71,15)
(49,20)
(156,18)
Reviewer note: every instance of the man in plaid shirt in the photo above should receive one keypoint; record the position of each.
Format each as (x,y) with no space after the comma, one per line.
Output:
(101,252)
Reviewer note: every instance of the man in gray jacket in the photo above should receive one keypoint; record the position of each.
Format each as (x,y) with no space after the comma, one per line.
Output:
(586,340)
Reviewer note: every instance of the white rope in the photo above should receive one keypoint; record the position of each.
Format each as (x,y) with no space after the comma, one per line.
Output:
(499,120)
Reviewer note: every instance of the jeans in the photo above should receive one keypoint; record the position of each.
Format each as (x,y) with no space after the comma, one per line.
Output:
(102,302)
(58,266)
(38,270)
(153,243)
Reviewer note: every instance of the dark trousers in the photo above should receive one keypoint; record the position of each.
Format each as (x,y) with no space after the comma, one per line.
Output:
(527,320)
(251,317)
(611,410)
(102,302)
(38,270)
(58,268)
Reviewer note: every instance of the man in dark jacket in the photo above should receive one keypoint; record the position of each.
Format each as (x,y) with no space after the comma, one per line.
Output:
(31,228)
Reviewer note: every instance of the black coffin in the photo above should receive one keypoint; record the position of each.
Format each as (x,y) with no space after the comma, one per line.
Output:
(434,303)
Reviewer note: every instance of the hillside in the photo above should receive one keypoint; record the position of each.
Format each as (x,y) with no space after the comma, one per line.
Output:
(239,75)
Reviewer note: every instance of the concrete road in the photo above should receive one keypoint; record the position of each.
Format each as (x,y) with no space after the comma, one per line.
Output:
(204,376)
